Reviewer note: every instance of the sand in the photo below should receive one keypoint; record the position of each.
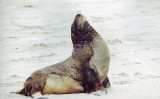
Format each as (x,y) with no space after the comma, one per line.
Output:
(36,33)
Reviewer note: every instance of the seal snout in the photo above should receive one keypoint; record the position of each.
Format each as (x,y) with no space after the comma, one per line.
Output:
(79,21)
(78,15)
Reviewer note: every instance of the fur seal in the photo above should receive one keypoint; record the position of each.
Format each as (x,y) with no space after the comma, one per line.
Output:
(84,71)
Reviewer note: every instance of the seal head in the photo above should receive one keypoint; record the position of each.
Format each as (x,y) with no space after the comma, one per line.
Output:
(81,30)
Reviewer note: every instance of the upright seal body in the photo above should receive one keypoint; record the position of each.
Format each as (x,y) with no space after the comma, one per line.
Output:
(95,57)
(84,71)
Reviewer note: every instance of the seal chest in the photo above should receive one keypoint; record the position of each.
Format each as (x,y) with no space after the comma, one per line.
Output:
(101,58)
(57,84)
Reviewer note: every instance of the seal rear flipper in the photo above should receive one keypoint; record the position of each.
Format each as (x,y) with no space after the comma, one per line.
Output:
(22,91)
(91,80)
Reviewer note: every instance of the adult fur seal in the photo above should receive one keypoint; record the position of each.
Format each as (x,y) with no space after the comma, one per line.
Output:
(84,71)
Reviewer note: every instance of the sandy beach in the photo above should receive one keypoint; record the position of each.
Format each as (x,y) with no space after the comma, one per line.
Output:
(36,33)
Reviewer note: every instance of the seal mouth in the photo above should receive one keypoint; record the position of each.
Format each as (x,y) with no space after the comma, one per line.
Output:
(79,22)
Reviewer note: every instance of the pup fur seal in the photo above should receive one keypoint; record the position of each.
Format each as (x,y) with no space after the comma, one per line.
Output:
(84,71)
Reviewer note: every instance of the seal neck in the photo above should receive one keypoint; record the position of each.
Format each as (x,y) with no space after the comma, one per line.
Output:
(83,36)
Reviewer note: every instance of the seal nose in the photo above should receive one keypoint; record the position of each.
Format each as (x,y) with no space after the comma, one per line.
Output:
(78,15)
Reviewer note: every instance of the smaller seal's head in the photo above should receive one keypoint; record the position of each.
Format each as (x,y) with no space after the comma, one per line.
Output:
(81,30)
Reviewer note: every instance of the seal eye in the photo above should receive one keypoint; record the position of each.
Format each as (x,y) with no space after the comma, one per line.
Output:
(29,79)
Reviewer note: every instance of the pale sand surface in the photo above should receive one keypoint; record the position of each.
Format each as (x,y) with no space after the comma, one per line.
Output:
(36,33)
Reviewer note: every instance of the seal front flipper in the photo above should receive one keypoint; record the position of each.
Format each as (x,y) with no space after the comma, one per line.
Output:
(106,82)
(91,80)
